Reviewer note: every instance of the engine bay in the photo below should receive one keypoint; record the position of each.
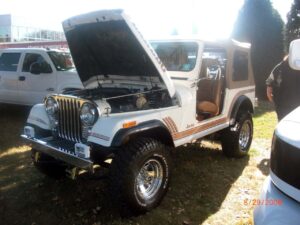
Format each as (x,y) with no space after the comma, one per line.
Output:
(123,99)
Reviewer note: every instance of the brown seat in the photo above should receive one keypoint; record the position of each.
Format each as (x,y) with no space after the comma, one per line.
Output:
(209,91)
(208,107)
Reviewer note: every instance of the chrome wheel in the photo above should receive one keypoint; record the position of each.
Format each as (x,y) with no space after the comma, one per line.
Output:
(245,135)
(149,179)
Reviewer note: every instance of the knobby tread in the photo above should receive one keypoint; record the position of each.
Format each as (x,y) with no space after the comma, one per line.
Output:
(123,165)
(229,139)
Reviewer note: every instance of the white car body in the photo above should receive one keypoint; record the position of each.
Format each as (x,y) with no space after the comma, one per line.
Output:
(283,182)
(25,88)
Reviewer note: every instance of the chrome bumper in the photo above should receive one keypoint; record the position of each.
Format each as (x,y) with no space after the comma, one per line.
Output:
(65,154)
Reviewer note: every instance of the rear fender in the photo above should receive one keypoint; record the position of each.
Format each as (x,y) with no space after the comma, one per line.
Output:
(243,103)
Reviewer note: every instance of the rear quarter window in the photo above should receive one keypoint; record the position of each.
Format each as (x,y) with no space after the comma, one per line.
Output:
(9,61)
(240,66)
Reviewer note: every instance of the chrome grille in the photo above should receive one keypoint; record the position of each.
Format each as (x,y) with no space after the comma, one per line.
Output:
(69,123)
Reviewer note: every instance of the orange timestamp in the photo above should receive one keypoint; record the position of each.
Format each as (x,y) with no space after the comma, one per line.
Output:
(254,202)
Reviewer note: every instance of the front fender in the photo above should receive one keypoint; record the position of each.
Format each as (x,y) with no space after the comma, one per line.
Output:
(39,117)
(109,131)
(150,128)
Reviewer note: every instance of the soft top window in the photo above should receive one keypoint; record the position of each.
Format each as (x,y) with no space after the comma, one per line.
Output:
(177,56)
(240,66)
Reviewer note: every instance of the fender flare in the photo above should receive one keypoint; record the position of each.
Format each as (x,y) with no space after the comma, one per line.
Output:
(152,128)
(243,102)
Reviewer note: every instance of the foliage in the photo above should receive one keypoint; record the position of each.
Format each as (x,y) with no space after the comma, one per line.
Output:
(292,30)
(261,25)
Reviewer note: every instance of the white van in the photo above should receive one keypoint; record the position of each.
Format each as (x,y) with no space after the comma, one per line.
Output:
(27,75)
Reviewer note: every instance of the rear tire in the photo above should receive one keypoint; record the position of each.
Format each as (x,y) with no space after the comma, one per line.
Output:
(140,176)
(236,140)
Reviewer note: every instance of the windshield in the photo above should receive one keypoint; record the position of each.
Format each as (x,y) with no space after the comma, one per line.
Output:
(61,60)
(177,56)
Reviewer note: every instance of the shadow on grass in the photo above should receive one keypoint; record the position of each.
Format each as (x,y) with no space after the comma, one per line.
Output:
(263,107)
(264,166)
(12,121)
(201,180)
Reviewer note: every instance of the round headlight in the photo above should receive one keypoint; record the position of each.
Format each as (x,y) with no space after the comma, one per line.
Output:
(88,114)
(51,105)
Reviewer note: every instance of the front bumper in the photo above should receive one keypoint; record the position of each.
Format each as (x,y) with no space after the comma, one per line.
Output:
(286,213)
(66,153)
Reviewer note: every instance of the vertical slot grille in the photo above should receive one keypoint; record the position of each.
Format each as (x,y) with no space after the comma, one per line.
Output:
(69,124)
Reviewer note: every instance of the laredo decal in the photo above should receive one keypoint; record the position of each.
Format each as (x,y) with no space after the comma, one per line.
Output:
(198,129)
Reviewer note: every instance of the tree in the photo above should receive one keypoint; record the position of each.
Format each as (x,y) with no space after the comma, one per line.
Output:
(292,30)
(261,25)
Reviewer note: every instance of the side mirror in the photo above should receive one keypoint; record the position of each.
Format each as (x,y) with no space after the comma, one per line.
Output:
(294,54)
(37,68)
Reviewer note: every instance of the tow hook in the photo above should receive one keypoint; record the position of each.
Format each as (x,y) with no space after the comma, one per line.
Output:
(36,157)
(72,172)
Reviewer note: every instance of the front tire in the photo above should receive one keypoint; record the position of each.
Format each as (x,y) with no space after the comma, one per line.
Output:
(236,140)
(140,176)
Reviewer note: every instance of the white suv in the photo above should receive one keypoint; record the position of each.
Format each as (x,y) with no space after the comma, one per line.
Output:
(27,75)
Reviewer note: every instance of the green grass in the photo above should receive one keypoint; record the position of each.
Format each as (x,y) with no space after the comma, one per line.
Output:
(264,120)
(202,180)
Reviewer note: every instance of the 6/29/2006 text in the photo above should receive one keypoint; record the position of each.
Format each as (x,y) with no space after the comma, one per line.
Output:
(254,202)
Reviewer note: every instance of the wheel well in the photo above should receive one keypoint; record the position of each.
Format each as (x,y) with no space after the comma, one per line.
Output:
(243,103)
(159,134)
(152,129)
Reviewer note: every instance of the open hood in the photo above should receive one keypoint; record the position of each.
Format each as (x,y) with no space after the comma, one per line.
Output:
(105,43)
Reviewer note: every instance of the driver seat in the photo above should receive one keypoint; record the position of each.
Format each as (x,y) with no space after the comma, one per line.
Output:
(209,90)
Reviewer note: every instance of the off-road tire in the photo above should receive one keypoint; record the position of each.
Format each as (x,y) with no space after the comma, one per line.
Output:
(49,166)
(236,140)
(126,173)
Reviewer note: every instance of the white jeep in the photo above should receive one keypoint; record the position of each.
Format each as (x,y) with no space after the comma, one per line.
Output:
(140,100)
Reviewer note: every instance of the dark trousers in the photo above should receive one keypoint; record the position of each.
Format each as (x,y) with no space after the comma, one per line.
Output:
(282,111)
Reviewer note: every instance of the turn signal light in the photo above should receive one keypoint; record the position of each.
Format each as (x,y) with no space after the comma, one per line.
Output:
(129,124)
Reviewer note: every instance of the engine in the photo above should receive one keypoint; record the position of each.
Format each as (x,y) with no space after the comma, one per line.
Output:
(117,100)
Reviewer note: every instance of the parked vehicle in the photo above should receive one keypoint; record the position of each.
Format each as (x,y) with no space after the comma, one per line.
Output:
(279,202)
(140,100)
(27,75)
